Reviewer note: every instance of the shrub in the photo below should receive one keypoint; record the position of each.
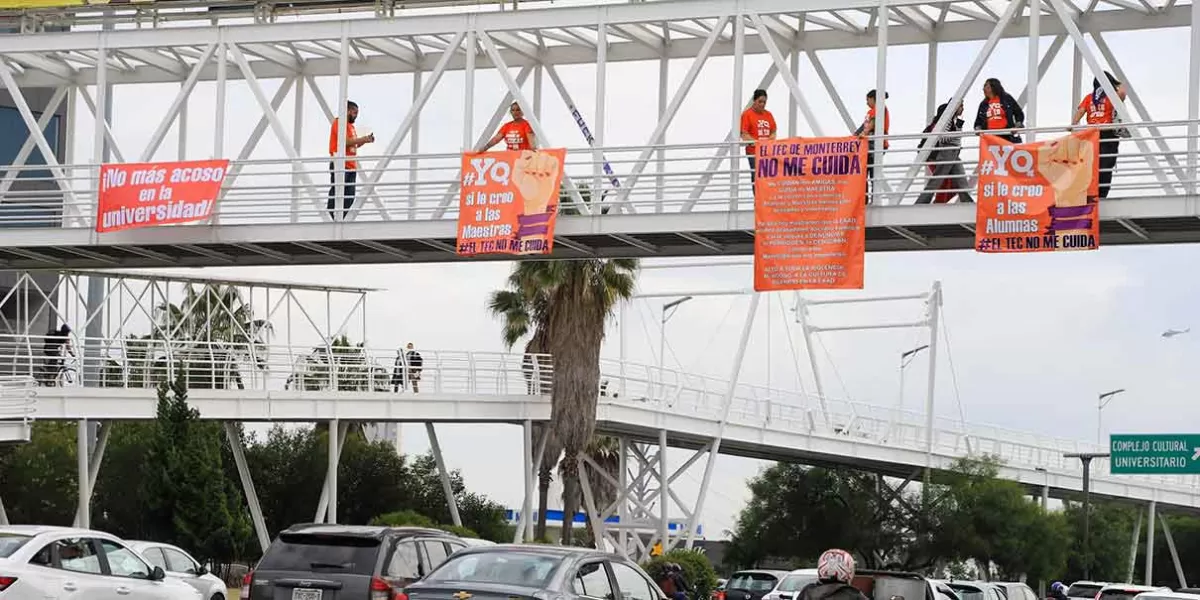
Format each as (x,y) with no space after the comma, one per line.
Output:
(697,570)
(403,518)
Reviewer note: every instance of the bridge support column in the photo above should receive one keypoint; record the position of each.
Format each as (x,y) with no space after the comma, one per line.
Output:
(1133,548)
(3,515)
(323,503)
(1150,542)
(1174,554)
(239,459)
(93,473)
(447,489)
(331,475)
(736,372)
(83,517)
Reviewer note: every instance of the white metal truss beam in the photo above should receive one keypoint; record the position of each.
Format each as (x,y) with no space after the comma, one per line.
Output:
(276,42)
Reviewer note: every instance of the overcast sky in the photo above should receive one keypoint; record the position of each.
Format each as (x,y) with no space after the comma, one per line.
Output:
(1033,338)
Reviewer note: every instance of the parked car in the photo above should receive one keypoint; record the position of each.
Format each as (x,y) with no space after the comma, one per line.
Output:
(894,585)
(79,564)
(1182,594)
(978,590)
(789,587)
(752,584)
(1015,590)
(361,562)
(529,572)
(1085,589)
(180,565)
(1126,591)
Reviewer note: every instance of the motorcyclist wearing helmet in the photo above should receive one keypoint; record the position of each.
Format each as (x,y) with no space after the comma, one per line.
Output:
(835,571)
(1058,591)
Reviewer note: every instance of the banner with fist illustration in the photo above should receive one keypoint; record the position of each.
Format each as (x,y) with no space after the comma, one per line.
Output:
(508,201)
(1039,196)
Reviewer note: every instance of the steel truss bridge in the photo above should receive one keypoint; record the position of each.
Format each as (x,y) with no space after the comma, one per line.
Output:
(273,375)
(673,199)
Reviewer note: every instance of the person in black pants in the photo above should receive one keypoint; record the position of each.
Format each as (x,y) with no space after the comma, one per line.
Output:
(1100,112)
(351,176)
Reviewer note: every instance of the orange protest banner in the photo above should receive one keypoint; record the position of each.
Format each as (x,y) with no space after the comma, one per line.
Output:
(508,201)
(152,194)
(1039,196)
(810,213)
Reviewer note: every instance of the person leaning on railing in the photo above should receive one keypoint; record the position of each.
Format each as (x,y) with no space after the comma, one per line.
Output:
(1099,110)
(998,111)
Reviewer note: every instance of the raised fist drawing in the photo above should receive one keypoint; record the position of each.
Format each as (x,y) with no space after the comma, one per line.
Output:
(1067,164)
(534,174)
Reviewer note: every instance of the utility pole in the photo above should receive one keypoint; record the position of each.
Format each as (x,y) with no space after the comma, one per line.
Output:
(1086,459)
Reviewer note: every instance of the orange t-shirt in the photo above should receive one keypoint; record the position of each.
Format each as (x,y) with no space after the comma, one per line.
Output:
(758,125)
(517,134)
(997,117)
(333,143)
(887,123)
(1098,115)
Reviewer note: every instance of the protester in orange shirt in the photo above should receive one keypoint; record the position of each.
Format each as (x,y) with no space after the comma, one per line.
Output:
(517,133)
(351,177)
(999,110)
(867,129)
(757,124)
(1099,109)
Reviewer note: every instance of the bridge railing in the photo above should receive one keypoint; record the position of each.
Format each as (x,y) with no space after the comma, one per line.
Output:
(688,178)
(672,391)
(143,363)
(18,398)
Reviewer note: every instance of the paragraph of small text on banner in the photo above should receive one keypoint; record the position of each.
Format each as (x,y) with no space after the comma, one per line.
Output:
(809,213)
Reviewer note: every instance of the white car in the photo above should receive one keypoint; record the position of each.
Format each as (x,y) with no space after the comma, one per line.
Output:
(38,562)
(789,587)
(180,565)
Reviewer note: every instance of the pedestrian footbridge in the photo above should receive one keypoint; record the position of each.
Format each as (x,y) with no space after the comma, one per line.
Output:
(638,403)
(690,200)
(17,406)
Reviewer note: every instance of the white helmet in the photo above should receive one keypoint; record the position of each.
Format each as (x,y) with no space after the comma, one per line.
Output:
(835,565)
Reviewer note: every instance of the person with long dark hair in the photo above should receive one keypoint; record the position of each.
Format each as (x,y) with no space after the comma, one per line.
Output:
(946,175)
(1100,112)
(998,111)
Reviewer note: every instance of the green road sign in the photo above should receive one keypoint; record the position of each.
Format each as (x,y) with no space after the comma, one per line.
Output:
(1155,454)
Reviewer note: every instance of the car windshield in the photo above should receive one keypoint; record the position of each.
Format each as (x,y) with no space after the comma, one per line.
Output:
(753,582)
(10,542)
(322,553)
(1083,590)
(793,583)
(968,592)
(510,568)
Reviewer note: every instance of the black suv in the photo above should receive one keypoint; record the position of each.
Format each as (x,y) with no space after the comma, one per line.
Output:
(346,562)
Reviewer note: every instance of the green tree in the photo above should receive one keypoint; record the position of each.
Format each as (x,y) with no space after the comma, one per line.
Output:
(566,304)
(992,521)
(189,499)
(797,512)
(39,483)
(120,496)
(1111,530)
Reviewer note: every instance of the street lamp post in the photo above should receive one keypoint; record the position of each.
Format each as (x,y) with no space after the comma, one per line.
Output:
(667,313)
(1086,459)
(905,358)
(1101,402)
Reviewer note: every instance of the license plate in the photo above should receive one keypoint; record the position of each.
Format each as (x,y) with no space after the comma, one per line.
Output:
(299,594)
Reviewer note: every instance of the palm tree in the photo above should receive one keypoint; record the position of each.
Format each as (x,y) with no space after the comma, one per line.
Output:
(565,306)
(216,328)
(605,452)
